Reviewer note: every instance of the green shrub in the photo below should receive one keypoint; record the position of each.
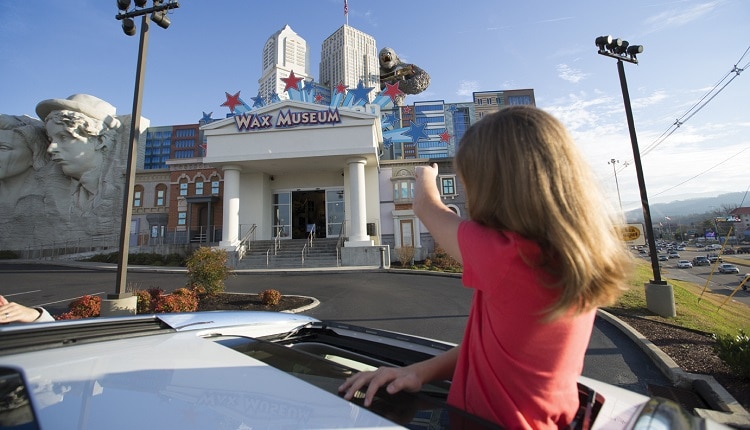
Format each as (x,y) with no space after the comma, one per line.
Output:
(207,269)
(735,352)
(8,255)
(270,297)
(140,259)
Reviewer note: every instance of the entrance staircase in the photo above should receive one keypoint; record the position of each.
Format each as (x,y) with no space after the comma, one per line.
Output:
(290,254)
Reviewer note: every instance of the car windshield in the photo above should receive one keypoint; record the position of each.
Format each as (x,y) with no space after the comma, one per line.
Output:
(326,371)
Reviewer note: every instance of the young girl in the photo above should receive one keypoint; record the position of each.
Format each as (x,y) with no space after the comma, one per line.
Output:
(540,253)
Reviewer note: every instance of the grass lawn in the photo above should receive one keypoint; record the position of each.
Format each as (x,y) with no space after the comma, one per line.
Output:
(696,309)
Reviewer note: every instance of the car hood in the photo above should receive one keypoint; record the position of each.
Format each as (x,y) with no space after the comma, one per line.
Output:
(178,379)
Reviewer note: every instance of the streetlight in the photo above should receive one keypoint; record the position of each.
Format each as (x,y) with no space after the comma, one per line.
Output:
(159,16)
(614,170)
(621,50)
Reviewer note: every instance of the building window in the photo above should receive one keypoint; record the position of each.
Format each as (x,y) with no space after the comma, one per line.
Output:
(183,188)
(161,193)
(138,196)
(403,190)
(448,185)
(181,218)
(199,188)
(214,187)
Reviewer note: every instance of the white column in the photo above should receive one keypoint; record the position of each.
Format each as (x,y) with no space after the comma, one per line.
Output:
(230,228)
(357,201)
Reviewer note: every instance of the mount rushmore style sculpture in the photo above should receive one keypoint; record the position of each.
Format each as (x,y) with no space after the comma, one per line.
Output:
(62,175)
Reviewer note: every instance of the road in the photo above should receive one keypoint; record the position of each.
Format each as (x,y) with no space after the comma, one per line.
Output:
(425,305)
(719,283)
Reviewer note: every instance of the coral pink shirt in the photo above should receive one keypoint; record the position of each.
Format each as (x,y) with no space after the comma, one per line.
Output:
(514,368)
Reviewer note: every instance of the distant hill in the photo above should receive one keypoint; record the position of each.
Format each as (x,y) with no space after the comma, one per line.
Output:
(689,207)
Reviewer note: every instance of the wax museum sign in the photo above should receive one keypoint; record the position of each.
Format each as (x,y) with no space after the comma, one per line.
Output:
(286,119)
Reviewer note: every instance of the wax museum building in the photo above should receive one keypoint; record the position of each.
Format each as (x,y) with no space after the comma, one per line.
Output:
(327,161)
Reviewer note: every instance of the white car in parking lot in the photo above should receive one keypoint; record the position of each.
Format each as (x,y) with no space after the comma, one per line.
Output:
(247,370)
(684,264)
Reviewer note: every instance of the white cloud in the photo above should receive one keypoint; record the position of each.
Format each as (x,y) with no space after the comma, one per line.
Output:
(569,74)
(656,97)
(466,88)
(680,16)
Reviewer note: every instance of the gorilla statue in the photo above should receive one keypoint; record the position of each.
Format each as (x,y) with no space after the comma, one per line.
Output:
(410,78)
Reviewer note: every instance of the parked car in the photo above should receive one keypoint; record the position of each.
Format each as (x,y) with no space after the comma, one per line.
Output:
(743,250)
(684,264)
(674,254)
(714,258)
(701,261)
(663,257)
(241,370)
(728,268)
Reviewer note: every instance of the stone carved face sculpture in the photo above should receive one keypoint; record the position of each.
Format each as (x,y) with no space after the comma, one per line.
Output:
(81,129)
(15,156)
(76,152)
(22,146)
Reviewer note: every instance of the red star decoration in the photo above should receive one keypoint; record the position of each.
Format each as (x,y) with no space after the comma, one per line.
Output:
(341,88)
(406,109)
(392,91)
(232,101)
(318,98)
(205,149)
(445,137)
(292,82)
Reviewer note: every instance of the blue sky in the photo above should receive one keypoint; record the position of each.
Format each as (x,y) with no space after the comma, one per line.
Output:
(52,49)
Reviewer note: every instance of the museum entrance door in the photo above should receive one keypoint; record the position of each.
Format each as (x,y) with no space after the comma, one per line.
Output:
(308,213)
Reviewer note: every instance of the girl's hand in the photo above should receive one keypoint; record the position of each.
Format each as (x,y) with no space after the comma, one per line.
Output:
(394,379)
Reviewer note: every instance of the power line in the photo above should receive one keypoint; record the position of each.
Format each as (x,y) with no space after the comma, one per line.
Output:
(697,107)
(701,173)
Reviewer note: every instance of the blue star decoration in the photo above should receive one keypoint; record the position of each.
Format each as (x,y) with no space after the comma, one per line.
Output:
(416,132)
(361,92)
(207,117)
(274,98)
(309,86)
(387,143)
(389,120)
(258,101)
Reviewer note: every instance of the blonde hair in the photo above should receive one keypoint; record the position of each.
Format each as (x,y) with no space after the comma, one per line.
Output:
(523,173)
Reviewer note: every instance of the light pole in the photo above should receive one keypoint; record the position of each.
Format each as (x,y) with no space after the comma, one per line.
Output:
(614,170)
(159,16)
(621,50)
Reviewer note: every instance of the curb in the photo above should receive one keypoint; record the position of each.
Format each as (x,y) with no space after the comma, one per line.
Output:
(732,412)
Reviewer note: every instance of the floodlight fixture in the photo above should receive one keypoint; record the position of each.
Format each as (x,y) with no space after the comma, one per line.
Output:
(618,48)
(602,42)
(621,49)
(160,18)
(123,4)
(128,26)
(141,3)
(633,50)
(614,45)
